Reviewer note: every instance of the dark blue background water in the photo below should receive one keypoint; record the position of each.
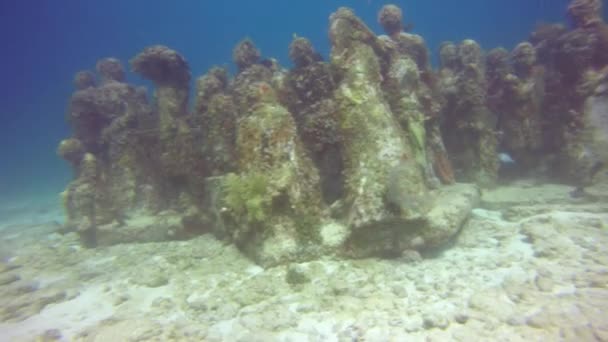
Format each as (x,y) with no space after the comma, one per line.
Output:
(44,42)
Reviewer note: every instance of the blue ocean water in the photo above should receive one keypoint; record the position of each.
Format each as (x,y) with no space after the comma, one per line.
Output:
(46,42)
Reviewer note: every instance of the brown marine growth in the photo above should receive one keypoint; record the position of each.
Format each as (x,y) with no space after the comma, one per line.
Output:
(468,125)
(84,79)
(585,13)
(309,91)
(110,69)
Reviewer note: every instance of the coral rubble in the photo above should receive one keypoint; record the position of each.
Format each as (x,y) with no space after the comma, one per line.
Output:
(355,156)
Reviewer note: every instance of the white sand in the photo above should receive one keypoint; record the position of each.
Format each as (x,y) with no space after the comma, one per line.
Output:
(542,275)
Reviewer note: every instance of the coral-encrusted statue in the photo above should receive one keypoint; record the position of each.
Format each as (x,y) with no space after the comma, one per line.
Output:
(103,150)
(180,161)
(414,95)
(468,124)
(387,192)
(516,94)
(215,118)
(309,95)
(273,202)
(585,13)
(342,157)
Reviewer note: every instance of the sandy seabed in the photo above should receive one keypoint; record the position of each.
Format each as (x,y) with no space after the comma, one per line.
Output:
(530,265)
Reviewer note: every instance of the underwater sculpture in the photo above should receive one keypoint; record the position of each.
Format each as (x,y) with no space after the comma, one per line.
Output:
(308,94)
(528,104)
(413,93)
(468,124)
(381,153)
(573,63)
(349,157)
(515,93)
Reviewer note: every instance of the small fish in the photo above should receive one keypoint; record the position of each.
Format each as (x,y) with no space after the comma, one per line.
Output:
(505,158)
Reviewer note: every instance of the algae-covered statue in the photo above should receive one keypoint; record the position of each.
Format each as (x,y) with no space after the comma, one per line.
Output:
(363,154)
(469,126)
